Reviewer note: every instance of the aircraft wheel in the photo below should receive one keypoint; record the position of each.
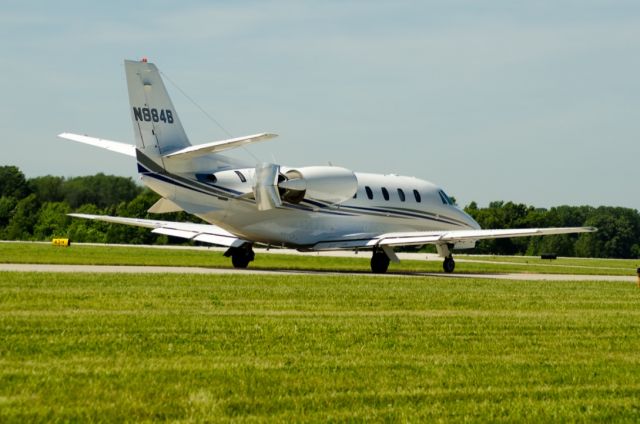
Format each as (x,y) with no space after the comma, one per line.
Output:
(240,257)
(240,261)
(448,265)
(379,262)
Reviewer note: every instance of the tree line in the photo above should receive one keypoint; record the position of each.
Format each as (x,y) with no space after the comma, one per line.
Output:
(37,208)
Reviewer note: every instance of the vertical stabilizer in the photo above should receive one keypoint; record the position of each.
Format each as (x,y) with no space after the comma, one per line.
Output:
(156,125)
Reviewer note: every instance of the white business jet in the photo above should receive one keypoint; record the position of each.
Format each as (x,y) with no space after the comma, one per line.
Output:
(309,208)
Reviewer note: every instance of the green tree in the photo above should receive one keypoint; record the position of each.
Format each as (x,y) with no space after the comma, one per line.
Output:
(13,183)
(7,206)
(24,218)
(617,236)
(500,215)
(48,188)
(86,230)
(52,221)
(100,190)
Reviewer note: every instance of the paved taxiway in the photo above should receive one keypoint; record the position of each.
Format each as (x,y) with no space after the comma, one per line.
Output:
(134,269)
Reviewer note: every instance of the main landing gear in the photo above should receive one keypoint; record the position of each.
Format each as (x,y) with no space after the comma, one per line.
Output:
(379,262)
(240,256)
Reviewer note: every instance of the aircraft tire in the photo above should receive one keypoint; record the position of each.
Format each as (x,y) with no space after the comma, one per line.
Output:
(379,262)
(448,265)
(240,261)
(240,257)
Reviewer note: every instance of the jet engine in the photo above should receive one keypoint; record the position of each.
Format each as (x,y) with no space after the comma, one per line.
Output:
(331,184)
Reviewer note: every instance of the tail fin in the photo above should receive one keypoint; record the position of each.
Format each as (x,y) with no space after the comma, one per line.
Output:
(156,125)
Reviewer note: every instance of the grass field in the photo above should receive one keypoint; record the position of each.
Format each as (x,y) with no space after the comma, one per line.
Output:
(115,255)
(189,348)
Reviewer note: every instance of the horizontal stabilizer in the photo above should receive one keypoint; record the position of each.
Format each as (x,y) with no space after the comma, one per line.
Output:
(218,146)
(205,233)
(114,146)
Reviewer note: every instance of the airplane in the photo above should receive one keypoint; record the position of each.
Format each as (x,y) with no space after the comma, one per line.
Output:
(308,208)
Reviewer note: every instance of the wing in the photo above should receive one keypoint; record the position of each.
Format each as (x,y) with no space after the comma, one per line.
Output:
(206,233)
(114,146)
(440,237)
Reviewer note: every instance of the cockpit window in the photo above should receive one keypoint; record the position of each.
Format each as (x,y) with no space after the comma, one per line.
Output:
(445,199)
(385,193)
(449,201)
(369,192)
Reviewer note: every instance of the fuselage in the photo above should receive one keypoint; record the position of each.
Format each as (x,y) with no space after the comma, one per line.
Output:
(381,204)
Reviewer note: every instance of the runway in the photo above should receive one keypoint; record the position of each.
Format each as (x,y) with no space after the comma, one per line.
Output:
(134,269)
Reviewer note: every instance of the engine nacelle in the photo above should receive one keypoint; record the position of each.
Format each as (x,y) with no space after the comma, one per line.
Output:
(331,184)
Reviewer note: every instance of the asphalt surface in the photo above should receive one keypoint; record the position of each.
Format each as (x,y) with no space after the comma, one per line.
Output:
(134,269)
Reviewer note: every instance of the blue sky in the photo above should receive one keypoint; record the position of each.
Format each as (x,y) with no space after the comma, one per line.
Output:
(534,102)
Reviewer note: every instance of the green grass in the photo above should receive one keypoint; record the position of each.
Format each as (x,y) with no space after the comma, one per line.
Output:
(107,347)
(114,255)
(573,262)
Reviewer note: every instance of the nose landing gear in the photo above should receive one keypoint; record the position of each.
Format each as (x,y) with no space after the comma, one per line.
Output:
(444,251)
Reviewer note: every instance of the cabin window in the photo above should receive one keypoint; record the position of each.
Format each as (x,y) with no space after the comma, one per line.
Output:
(401,195)
(241,176)
(416,194)
(369,192)
(385,193)
(355,195)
